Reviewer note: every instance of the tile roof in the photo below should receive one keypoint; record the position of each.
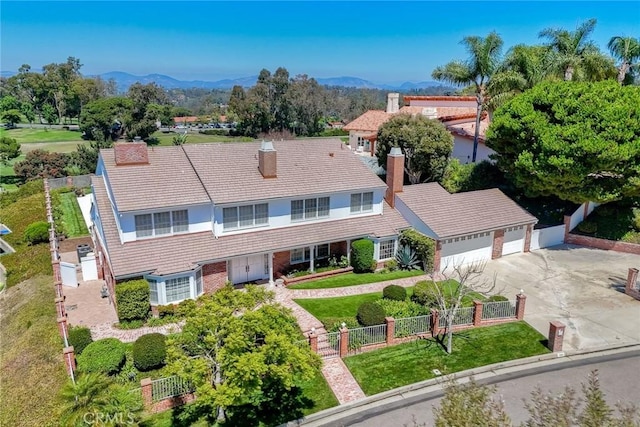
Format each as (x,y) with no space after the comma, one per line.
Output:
(173,254)
(444,113)
(407,98)
(463,213)
(230,172)
(467,129)
(369,121)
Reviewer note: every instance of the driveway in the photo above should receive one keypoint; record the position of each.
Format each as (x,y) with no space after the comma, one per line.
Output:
(581,287)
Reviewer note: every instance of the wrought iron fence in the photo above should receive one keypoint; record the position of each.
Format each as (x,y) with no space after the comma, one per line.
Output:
(169,387)
(408,326)
(498,310)
(329,344)
(462,316)
(361,337)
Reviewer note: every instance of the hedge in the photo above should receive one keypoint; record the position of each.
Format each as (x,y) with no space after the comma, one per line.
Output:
(106,356)
(362,256)
(149,351)
(370,314)
(79,338)
(132,300)
(36,232)
(424,246)
(394,292)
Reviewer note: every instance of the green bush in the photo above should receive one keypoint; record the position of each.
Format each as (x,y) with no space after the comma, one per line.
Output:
(370,314)
(106,356)
(149,351)
(588,227)
(424,246)
(79,338)
(132,299)
(362,256)
(497,298)
(401,309)
(36,232)
(218,132)
(394,292)
(391,265)
(425,293)
(471,176)
(636,218)
(335,323)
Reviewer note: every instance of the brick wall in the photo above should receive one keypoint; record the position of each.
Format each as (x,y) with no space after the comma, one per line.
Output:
(610,245)
(498,240)
(281,262)
(214,276)
(338,249)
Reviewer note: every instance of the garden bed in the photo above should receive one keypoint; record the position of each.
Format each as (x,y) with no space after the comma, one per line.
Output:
(314,276)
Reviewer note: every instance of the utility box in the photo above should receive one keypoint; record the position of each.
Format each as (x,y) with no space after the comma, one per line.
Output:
(82,251)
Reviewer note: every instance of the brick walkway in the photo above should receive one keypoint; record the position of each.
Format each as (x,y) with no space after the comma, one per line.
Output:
(106,330)
(344,386)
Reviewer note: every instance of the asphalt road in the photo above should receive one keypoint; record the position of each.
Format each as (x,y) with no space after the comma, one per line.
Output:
(619,376)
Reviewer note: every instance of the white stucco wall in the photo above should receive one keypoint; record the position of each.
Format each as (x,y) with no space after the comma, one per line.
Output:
(414,220)
(463,150)
(199,220)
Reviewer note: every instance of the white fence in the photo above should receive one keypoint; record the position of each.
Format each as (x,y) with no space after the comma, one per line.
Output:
(545,237)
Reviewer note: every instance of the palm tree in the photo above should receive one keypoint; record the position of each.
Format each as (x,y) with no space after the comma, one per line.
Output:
(86,395)
(476,71)
(627,51)
(575,56)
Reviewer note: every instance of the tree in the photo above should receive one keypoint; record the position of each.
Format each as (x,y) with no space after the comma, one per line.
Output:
(9,103)
(103,119)
(49,114)
(305,100)
(84,91)
(627,51)
(470,405)
(574,55)
(426,145)
(58,80)
(239,350)
(476,71)
(577,141)
(11,117)
(9,150)
(41,164)
(142,117)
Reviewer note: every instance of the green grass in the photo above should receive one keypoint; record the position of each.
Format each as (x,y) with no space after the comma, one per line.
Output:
(404,364)
(334,310)
(8,180)
(56,147)
(198,138)
(353,279)
(31,363)
(71,218)
(24,135)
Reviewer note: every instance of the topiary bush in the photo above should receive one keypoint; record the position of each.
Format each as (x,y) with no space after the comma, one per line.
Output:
(362,256)
(394,292)
(105,356)
(132,300)
(79,338)
(370,314)
(149,351)
(36,232)
(425,293)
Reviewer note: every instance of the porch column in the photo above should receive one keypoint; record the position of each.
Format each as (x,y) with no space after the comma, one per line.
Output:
(270,268)
(349,251)
(311,260)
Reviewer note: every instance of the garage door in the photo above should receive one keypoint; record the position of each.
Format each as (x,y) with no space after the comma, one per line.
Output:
(513,240)
(466,249)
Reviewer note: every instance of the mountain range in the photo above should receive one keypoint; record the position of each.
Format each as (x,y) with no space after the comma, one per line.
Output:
(124,80)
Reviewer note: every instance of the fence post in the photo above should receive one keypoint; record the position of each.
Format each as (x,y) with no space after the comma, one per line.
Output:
(313,341)
(59,302)
(344,341)
(435,321)
(69,359)
(62,327)
(477,312)
(147,392)
(631,287)
(556,336)
(521,300)
(391,329)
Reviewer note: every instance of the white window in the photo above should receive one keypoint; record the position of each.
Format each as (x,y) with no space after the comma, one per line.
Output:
(162,223)
(180,221)
(144,225)
(230,218)
(362,202)
(177,289)
(153,291)
(309,208)
(246,216)
(297,210)
(300,255)
(199,289)
(387,249)
(323,207)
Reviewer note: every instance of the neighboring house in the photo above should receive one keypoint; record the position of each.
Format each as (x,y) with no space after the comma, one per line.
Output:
(457,113)
(185,120)
(188,218)
(468,227)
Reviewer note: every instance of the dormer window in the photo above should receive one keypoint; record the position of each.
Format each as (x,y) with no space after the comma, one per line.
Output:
(308,209)
(162,223)
(246,216)
(362,202)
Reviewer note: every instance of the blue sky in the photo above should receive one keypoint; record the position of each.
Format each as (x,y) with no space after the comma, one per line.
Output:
(380,41)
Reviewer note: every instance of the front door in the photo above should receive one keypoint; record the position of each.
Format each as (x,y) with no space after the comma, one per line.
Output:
(247,269)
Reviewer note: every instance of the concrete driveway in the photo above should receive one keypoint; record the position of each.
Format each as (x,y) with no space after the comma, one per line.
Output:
(581,287)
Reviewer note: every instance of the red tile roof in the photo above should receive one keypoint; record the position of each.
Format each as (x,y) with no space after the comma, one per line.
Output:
(369,121)
(467,130)
(460,214)
(408,98)
(185,119)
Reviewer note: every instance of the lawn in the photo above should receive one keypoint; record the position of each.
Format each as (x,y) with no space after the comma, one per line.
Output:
(197,138)
(8,180)
(408,363)
(614,221)
(335,310)
(31,364)
(25,135)
(68,213)
(353,279)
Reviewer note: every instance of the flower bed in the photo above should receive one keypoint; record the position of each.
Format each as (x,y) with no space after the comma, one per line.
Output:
(291,280)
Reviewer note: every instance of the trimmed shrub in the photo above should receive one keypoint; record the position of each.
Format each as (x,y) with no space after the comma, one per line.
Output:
(335,323)
(149,351)
(391,265)
(497,298)
(425,293)
(132,299)
(394,292)
(424,246)
(36,232)
(588,227)
(370,314)
(400,309)
(79,338)
(362,256)
(106,356)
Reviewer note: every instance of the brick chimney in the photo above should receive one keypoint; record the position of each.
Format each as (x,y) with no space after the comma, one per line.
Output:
(393,103)
(131,153)
(395,175)
(267,160)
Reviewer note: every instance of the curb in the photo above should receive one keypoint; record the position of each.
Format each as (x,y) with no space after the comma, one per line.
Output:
(402,393)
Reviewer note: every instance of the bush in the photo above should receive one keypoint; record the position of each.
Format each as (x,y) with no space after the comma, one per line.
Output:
(471,176)
(370,314)
(219,132)
(497,298)
(106,356)
(37,232)
(401,309)
(425,293)
(391,265)
(79,338)
(394,292)
(132,299)
(335,323)
(587,227)
(424,246)
(362,256)
(149,351)
(636,218)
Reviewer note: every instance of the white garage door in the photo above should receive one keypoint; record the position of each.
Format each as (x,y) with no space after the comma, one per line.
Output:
(513,240)
(466,249)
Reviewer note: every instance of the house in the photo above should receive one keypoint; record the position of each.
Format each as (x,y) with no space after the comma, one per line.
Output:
(468,227)
(190,218)
(457,113)
(185,120)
